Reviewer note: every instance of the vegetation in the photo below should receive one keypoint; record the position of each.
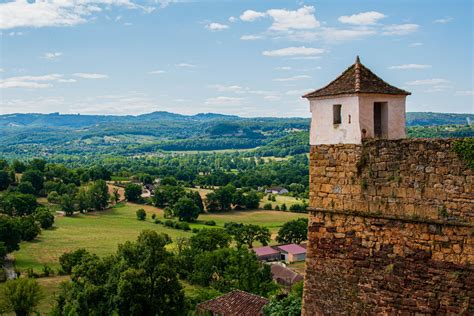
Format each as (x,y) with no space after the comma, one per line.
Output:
(21,296)
(294,231)
(465,150)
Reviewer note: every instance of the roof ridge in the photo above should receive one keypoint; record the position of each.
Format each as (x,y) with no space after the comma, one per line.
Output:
(357,74)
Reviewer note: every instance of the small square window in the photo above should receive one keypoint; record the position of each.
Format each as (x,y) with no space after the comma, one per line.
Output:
(336,111)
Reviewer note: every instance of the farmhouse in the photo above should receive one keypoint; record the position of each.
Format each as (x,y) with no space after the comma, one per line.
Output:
(235,303)
(276,190)
(284,276)
(292,253)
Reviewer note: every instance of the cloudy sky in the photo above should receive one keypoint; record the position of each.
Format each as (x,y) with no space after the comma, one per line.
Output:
(250,58)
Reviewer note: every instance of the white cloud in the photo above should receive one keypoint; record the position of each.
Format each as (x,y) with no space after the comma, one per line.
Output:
(410,66)
(231,88)
(284,20)
(233,19)
(283,68)
(464,93)
(23,13)
(128,24)
(85,75)
(435,81)
(251,15)
(223,100)
(2,70)
(302,18)
(293,51)
(156,72)
(272,98)
(416,44)
(251,37)
(443,20)
(15,33)
(400,29)
(216,26)
(186,65)
(364,18)
(51,56)
(293,78)
(31,82)
(334,34)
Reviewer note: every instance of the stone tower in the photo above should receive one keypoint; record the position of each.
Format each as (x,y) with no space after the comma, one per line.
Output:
(356,105)
(391,226)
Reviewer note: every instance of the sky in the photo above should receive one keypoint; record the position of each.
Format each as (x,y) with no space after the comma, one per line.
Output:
(248,58)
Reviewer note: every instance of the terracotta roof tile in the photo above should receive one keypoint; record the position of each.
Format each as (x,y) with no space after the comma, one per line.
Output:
(356,79)
(235,303)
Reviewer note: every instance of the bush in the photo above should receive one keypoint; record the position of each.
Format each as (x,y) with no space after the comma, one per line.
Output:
(47,271)
(283,207)
(298,208)
(169,223)
(195,230)
(267,206)
(277,208)
(153,216)
(44,217)
(68,260)
(54,197)
(184,226)
(141,214)
(210,223)
(157,221)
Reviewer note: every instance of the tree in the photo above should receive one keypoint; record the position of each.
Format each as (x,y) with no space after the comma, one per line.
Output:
(66,202)
(140,279)
(10,233)
(209,240)
(294,231)
(288,305)
(133,192)
(196,197)
(99,195)
(69,260)
(251,200)
(247,234)
(115,195)
(169,181)
(186,210)
(141,214)
(35,177)
(5,179)
(26,188)
(18,166)
(22,296)
(53,197)
(44,217)
(28,227)
(17,204)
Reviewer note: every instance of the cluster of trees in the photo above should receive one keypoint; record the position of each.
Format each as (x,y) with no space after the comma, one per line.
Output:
(293,232)
(206,259)
(247,234)
(141,278)
(21,217)
(226,197)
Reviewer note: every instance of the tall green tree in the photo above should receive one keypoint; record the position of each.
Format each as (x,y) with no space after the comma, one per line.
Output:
(133,192)
(35,177)
(294,231)
(21,296)
(99,195)
(186,210)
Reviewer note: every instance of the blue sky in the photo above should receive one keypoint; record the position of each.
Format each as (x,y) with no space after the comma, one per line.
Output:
(250,58)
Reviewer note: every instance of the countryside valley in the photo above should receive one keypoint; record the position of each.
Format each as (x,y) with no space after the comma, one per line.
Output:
(97,209)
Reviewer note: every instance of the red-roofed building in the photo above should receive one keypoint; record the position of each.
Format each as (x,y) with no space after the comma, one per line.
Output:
(235,303)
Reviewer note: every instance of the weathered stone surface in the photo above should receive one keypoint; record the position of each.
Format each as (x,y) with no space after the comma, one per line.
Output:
(397,238)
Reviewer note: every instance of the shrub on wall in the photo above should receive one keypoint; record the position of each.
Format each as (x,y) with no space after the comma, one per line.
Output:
(465,150)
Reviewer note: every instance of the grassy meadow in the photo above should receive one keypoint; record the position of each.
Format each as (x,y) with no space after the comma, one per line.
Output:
(101,232)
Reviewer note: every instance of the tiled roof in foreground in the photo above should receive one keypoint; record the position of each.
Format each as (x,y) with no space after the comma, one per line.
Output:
(235,303)
(356,79)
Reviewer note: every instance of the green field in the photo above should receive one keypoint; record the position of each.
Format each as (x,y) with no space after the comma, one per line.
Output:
(101,232)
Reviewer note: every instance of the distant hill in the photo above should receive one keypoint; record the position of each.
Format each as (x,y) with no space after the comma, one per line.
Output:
(433,119)
(77,120)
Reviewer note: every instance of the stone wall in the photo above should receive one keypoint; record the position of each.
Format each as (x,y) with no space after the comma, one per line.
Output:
(391,230)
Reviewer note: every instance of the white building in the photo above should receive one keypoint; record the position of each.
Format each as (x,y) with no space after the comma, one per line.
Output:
(354,106)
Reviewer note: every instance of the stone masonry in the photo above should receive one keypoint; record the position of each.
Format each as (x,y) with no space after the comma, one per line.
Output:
(391,229)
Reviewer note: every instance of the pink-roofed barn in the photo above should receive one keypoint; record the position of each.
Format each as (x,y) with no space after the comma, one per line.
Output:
(267,253)
(292,252)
